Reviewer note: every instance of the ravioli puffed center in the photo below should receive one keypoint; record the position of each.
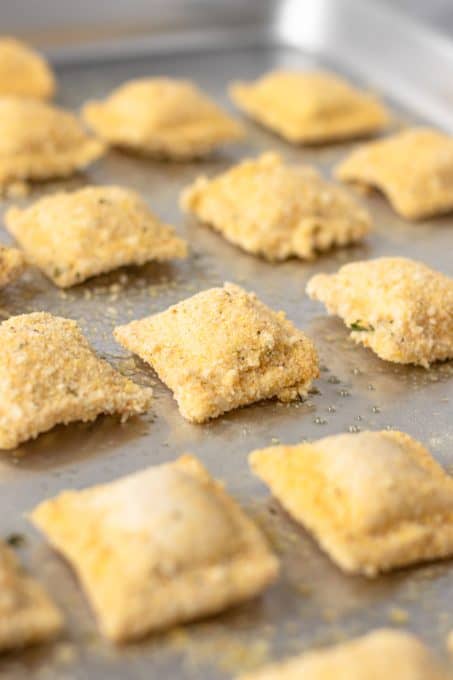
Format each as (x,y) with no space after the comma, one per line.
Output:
(187,525)
(380,481)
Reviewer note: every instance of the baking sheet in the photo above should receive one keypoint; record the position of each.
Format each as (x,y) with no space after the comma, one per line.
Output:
(313,603)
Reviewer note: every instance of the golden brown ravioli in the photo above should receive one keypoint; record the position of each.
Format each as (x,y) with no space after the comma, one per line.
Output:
(310,107)
(49,374)
(39,141)
(24,72)
(222,349)
(413,168)
(12,264)
(276,210)
(27,614)
(399,308)
(159,547)
(373,500)
(72,236)
(162,117)
(379,655)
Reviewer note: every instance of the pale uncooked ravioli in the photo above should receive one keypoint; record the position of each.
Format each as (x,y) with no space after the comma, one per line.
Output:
(374,500)
(311,107)
(73,236)
(49,374)
(23,71)
(413,168)
(162,117)
(159,547)
(222,349)
(27,614)
(399,308)
(277,210)
(12,264)
(39,142)
(379,655)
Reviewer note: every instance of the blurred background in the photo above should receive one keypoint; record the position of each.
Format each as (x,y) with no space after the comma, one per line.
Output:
(57,22)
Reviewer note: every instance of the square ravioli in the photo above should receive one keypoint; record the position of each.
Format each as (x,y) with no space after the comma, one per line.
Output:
(72,236)
(39,141)
(277,210)
(160,547)
(310,107)
(162,117)
(12,264)
(27,614)
(24,72)
(379,655)
(413,168)
(399,308)
(374,500)
(49,374)
(222,349)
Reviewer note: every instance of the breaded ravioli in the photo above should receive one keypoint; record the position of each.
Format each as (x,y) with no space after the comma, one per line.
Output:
(222,349)
(276,210)
(379,655)
(24,72)
(160,547)
(401,309)
(414,169)
(162,117)
(73,236)
(312,107)
(39,142)
(49,374)
(373,500)
(27,614)
(12,264)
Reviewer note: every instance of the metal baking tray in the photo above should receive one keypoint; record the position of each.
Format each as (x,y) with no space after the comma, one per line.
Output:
(313,603)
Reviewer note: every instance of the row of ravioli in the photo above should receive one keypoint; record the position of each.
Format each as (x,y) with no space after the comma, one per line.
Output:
(400,309)
(218,350)
(168,545)
(174,119)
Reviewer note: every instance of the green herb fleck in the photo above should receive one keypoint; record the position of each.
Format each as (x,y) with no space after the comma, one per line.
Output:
(357,326)
(15,540)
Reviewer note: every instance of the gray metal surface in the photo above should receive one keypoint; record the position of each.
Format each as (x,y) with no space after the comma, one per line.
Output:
(313,603)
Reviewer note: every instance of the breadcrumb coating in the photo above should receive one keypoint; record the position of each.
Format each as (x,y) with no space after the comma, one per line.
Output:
(27,614)
(162,117)
(276,210)
(73,236)
(381,654)
(399,308)
(413,168)
(373,500)
(49,374)
(310,107)
(222,349)
(159,547)
(23,71)
(12,264)
(39,141)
